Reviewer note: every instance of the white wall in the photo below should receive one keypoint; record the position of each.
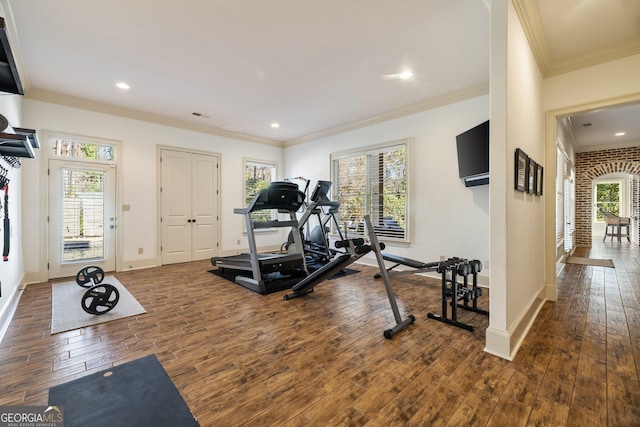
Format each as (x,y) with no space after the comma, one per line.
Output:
(445,217)
(517,219)
(139,180)
(11,271)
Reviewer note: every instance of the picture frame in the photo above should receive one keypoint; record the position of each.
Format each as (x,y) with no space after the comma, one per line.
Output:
(532,167)
(520,170)
(539,179)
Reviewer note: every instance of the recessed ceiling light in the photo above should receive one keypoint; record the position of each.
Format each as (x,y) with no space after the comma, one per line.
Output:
(275,125)
(405,75)
(621,133)
(123,85)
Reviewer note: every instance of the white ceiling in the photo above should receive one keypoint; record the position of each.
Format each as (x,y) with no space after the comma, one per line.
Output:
(312,66)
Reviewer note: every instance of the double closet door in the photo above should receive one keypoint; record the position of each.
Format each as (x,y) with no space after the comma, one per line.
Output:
(189,205)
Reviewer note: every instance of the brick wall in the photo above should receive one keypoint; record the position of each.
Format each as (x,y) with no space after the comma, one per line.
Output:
(593,164)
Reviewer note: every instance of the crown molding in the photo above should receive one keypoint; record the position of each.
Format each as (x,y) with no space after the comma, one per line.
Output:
(84,104)
(529,16)
(600,57)
(425,105)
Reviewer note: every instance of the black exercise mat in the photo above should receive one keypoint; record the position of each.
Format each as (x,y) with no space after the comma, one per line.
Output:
(138,393)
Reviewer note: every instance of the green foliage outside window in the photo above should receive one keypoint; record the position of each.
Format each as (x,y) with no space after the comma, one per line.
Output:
(257,177)
(607,199)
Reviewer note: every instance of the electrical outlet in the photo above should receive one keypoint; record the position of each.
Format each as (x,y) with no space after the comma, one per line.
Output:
(238,241)
(140,251)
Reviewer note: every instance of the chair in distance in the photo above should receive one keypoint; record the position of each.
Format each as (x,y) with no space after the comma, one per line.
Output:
(614,225)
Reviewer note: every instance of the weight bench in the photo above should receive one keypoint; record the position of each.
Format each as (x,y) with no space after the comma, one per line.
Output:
(418,266)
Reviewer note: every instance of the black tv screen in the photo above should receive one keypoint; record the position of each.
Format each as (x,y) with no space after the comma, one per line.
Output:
(473,151)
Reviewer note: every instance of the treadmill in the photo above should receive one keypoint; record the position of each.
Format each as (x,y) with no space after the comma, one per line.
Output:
(267,273)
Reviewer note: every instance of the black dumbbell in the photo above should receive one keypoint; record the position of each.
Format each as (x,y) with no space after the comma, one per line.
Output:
(463,269)
(476,266)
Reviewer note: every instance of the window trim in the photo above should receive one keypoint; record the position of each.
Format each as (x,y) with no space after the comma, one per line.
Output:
(373,149)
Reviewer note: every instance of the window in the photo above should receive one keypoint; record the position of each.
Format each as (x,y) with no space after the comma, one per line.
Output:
(374,183)
(607,197)
(82,150)
(258,175)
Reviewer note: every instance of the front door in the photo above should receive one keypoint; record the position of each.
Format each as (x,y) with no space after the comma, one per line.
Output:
(82,220)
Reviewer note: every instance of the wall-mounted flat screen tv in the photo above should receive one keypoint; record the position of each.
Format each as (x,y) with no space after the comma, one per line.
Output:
(473,155)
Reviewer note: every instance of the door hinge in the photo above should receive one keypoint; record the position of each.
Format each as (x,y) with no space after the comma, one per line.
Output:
(47,266)
(217,244)
(160,248)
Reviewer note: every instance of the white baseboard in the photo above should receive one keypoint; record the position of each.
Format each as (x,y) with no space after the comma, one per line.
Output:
(505,344)
(137,264)
(9,309)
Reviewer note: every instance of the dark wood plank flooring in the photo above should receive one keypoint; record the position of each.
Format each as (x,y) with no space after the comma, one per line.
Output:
(239,358)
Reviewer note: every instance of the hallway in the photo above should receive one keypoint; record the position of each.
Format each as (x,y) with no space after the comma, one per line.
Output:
(591,338)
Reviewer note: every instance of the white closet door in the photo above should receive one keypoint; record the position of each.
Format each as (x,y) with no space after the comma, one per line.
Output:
(189,206)
(204,206)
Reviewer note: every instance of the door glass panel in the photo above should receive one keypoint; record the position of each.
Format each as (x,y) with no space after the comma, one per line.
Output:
(83,215)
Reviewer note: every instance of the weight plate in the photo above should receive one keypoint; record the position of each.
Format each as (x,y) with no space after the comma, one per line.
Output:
(89,276)
(100,299)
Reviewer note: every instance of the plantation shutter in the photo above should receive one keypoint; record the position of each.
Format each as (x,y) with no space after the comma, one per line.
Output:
(387,185)
(559,197)
(373,183)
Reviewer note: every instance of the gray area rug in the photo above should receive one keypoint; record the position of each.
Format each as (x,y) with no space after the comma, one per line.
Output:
(590,261)
(67,312)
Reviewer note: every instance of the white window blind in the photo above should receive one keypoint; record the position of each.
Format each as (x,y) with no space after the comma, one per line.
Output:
(83,214)
(559,196)
(374,183)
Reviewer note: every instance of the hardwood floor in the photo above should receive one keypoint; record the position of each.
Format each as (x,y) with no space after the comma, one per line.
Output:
(239,358)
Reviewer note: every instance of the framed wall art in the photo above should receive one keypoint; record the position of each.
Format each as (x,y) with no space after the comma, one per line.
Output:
(521,168)
(539,179)
(532,167)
